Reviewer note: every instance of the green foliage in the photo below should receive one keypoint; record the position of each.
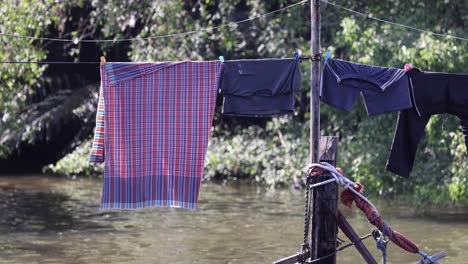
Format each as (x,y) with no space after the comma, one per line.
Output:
(458,186)
(29,18)
(273,35)
(4,151)
(274,156)
(76,163)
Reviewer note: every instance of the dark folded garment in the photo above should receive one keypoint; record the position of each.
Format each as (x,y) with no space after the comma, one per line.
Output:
(260,88)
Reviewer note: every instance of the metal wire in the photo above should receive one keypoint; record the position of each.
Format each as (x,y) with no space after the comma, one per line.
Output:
(340,249)
(316,56)
(307,213)
(50,62)
(76,41)
(393,23)
(235,23)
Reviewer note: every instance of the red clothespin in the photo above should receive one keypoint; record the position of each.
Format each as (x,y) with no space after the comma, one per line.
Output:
(407,67)
(103,60)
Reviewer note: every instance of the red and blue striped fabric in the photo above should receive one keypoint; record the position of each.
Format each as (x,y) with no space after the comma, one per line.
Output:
(157,125)
(97,149)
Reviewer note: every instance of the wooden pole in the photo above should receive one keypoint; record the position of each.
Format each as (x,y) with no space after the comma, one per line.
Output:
(314,82)
(324,223)
(314,89)
(351,234)
(324,230)
(325,207)
(296,258)
(325,198)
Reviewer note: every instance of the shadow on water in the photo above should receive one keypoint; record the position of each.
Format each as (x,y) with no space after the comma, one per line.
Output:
(22,211)
(28,205)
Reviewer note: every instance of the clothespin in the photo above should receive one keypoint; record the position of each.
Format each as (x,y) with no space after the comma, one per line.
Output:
(327,55)
(296,55)
(221,59)
(407,67)
(103,60)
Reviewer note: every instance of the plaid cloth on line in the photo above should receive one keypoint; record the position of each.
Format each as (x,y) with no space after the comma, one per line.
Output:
(157,126)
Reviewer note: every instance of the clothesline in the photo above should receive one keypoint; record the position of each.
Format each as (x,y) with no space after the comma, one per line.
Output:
(50,62)
(394,23)
(94,62)
(76,41)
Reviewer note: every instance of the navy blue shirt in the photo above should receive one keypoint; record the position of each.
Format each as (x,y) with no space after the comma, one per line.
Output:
(383,89)
(260,88)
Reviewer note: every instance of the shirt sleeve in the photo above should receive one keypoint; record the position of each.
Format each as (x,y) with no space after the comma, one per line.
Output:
(97,150)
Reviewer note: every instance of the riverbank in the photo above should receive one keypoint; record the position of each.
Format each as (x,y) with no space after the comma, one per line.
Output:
(275,155)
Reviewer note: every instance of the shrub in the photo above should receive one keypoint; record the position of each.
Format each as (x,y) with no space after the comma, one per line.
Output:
(76,163)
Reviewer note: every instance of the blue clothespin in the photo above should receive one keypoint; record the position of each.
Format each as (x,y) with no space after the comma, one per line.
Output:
(296,55)
(327,55)
(221,58)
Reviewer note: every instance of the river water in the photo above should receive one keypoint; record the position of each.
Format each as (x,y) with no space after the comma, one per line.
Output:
(49,220)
